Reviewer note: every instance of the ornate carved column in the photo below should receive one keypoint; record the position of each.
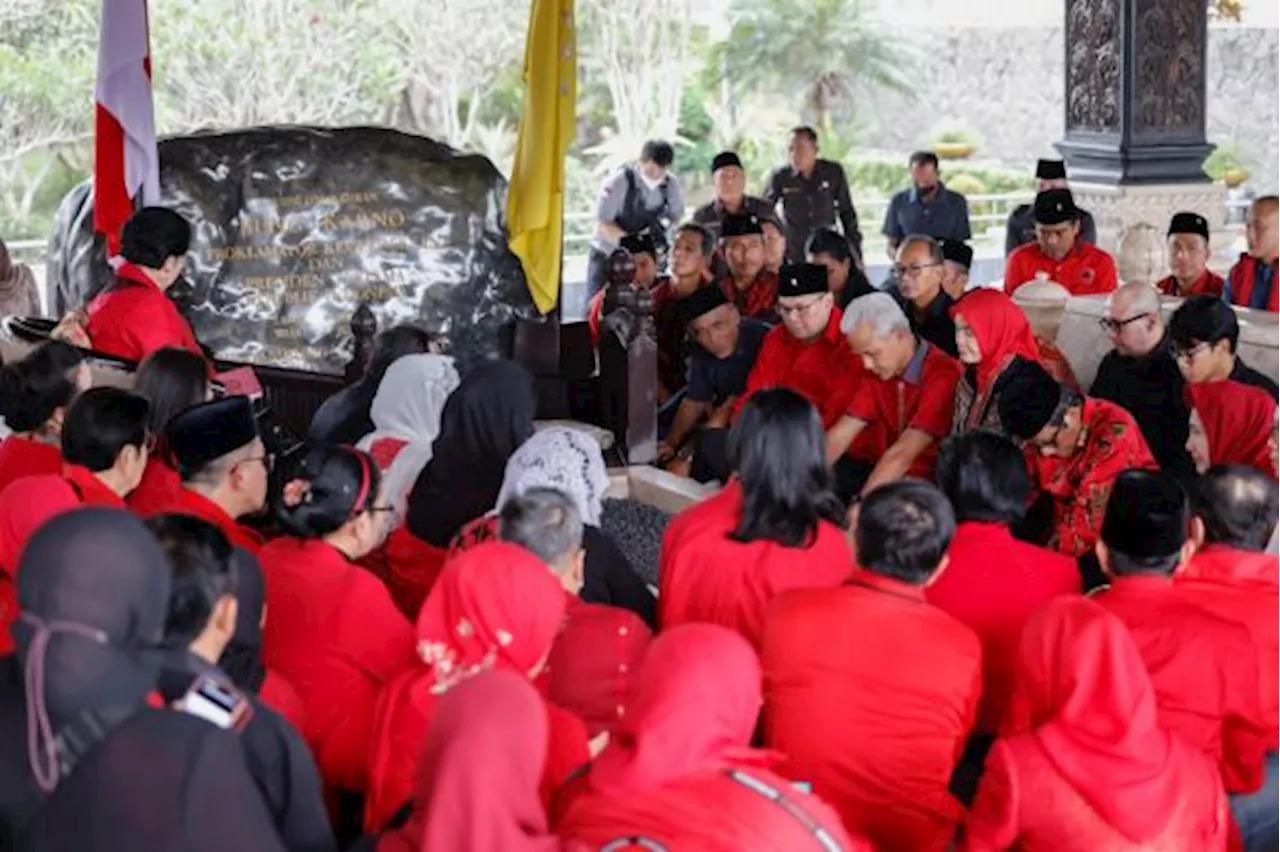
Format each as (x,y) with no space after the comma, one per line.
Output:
(1135,112)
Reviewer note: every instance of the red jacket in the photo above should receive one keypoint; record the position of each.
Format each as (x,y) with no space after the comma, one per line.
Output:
(159,490)
(1239,287)
(870,693)
(1205,673)
(758,301)
(1244,587)
(21,457)
(706,576)
(133,318)
(334,634)
(1208,284)
(198,506)
(1085,270)
(991,584)
(25,506)
(823,371)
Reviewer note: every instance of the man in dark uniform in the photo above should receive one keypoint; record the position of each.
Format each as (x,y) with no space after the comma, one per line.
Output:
(957,259)
(644,196)
(730,184)
(919,271)
(724,351)
(813,193)
(927,208)
(1021,226)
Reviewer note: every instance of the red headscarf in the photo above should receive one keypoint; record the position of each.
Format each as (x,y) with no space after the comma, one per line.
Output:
(1002,331)
(593,661)
(494,606)
(1084,694)
(692,708)
(1237,421)
(478,781)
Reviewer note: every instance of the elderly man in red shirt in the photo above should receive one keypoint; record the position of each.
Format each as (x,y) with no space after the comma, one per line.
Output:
(903,407)
(1234,577)
(1204,668)
(1189,270)
(1058,251)
(1252,281)
(870,691)
(993,581)
(748,284)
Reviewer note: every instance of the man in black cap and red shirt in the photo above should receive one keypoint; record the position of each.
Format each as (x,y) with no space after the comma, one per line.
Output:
(957,259)
(725,347)
(1021,226)
(1058,251)
(748,284)
(1189,259)
(729,181)
(807,352)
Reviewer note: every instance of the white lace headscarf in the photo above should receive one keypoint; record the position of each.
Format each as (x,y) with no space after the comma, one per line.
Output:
(568,460)
(407,407)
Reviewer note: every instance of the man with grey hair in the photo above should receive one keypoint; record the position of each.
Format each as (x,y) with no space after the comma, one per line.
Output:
(903,405)
(546,523)
(1141,375)
(919,272)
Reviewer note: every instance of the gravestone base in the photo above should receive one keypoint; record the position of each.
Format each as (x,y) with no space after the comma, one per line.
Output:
(1116,208)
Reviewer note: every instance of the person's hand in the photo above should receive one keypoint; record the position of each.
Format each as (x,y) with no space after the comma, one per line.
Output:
(73,329)
(720,417)
(680,467)
(666,453)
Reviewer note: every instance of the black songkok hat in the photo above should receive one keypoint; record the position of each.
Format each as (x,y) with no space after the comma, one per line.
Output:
(1188,223)
(1051,170)
(205,433)
(1147,515)
(700,302)
(801,279)
(1028,398)
(957,252)
(641,243)
(1055,206)
(725,158)
(740,225)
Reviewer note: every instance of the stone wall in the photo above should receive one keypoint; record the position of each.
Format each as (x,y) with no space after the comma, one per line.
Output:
(1004,85)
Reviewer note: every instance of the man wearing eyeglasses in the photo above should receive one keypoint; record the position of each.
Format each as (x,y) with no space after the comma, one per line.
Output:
(1204,334)
(919,271)
(224,466)
(1141,376)
(1059,252)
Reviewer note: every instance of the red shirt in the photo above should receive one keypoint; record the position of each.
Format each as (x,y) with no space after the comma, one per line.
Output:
(1241,279)
(1208,284)
(1205,673)
(21,457)
(706,576)
(25,506)
(870,693)
(334,634)
(199,506)
(922,398)
(1080,485)
(1085,270)
(160,489)
(757,301)
(992,584)
(822,370)
(133,318)
(1244,587)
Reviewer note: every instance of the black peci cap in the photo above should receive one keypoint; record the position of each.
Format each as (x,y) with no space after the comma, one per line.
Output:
(740,225)
(725,158)
(1051,170)
(205,433)
(1055,206)
(699,302)
(1028,398)
(801,279)
(957,252)
(1188,223)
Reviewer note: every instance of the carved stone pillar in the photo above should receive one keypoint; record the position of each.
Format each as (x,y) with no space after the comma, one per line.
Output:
(629,363)
(1135,113)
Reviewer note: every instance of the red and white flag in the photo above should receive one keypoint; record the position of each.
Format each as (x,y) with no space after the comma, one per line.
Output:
(126,164)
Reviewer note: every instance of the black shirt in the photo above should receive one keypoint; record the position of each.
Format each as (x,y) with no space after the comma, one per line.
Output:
(943,215)
(1249,376)
(813,202)
(1151,388)
(934,323)
(713,380)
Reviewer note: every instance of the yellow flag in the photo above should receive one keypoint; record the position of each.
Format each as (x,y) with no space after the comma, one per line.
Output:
(535,199)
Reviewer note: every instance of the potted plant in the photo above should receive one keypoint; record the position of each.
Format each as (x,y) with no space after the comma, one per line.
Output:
(1227,164)
(954,145)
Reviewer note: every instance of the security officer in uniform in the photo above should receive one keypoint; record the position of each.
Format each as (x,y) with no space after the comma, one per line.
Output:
(813,193)
(1020,229)
(640,197)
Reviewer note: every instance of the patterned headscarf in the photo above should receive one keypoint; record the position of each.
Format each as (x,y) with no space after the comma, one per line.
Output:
(564,459)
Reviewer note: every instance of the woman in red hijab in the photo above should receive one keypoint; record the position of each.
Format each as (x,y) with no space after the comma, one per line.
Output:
(332,630)
(991,334)
(172,380)
(593,661)
(775,526)
(478,779)
(1231,423)
(679,773)
(1082,763)
(34,396)
(497,606)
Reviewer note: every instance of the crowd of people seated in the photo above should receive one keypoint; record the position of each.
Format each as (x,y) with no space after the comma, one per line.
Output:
(944,597)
